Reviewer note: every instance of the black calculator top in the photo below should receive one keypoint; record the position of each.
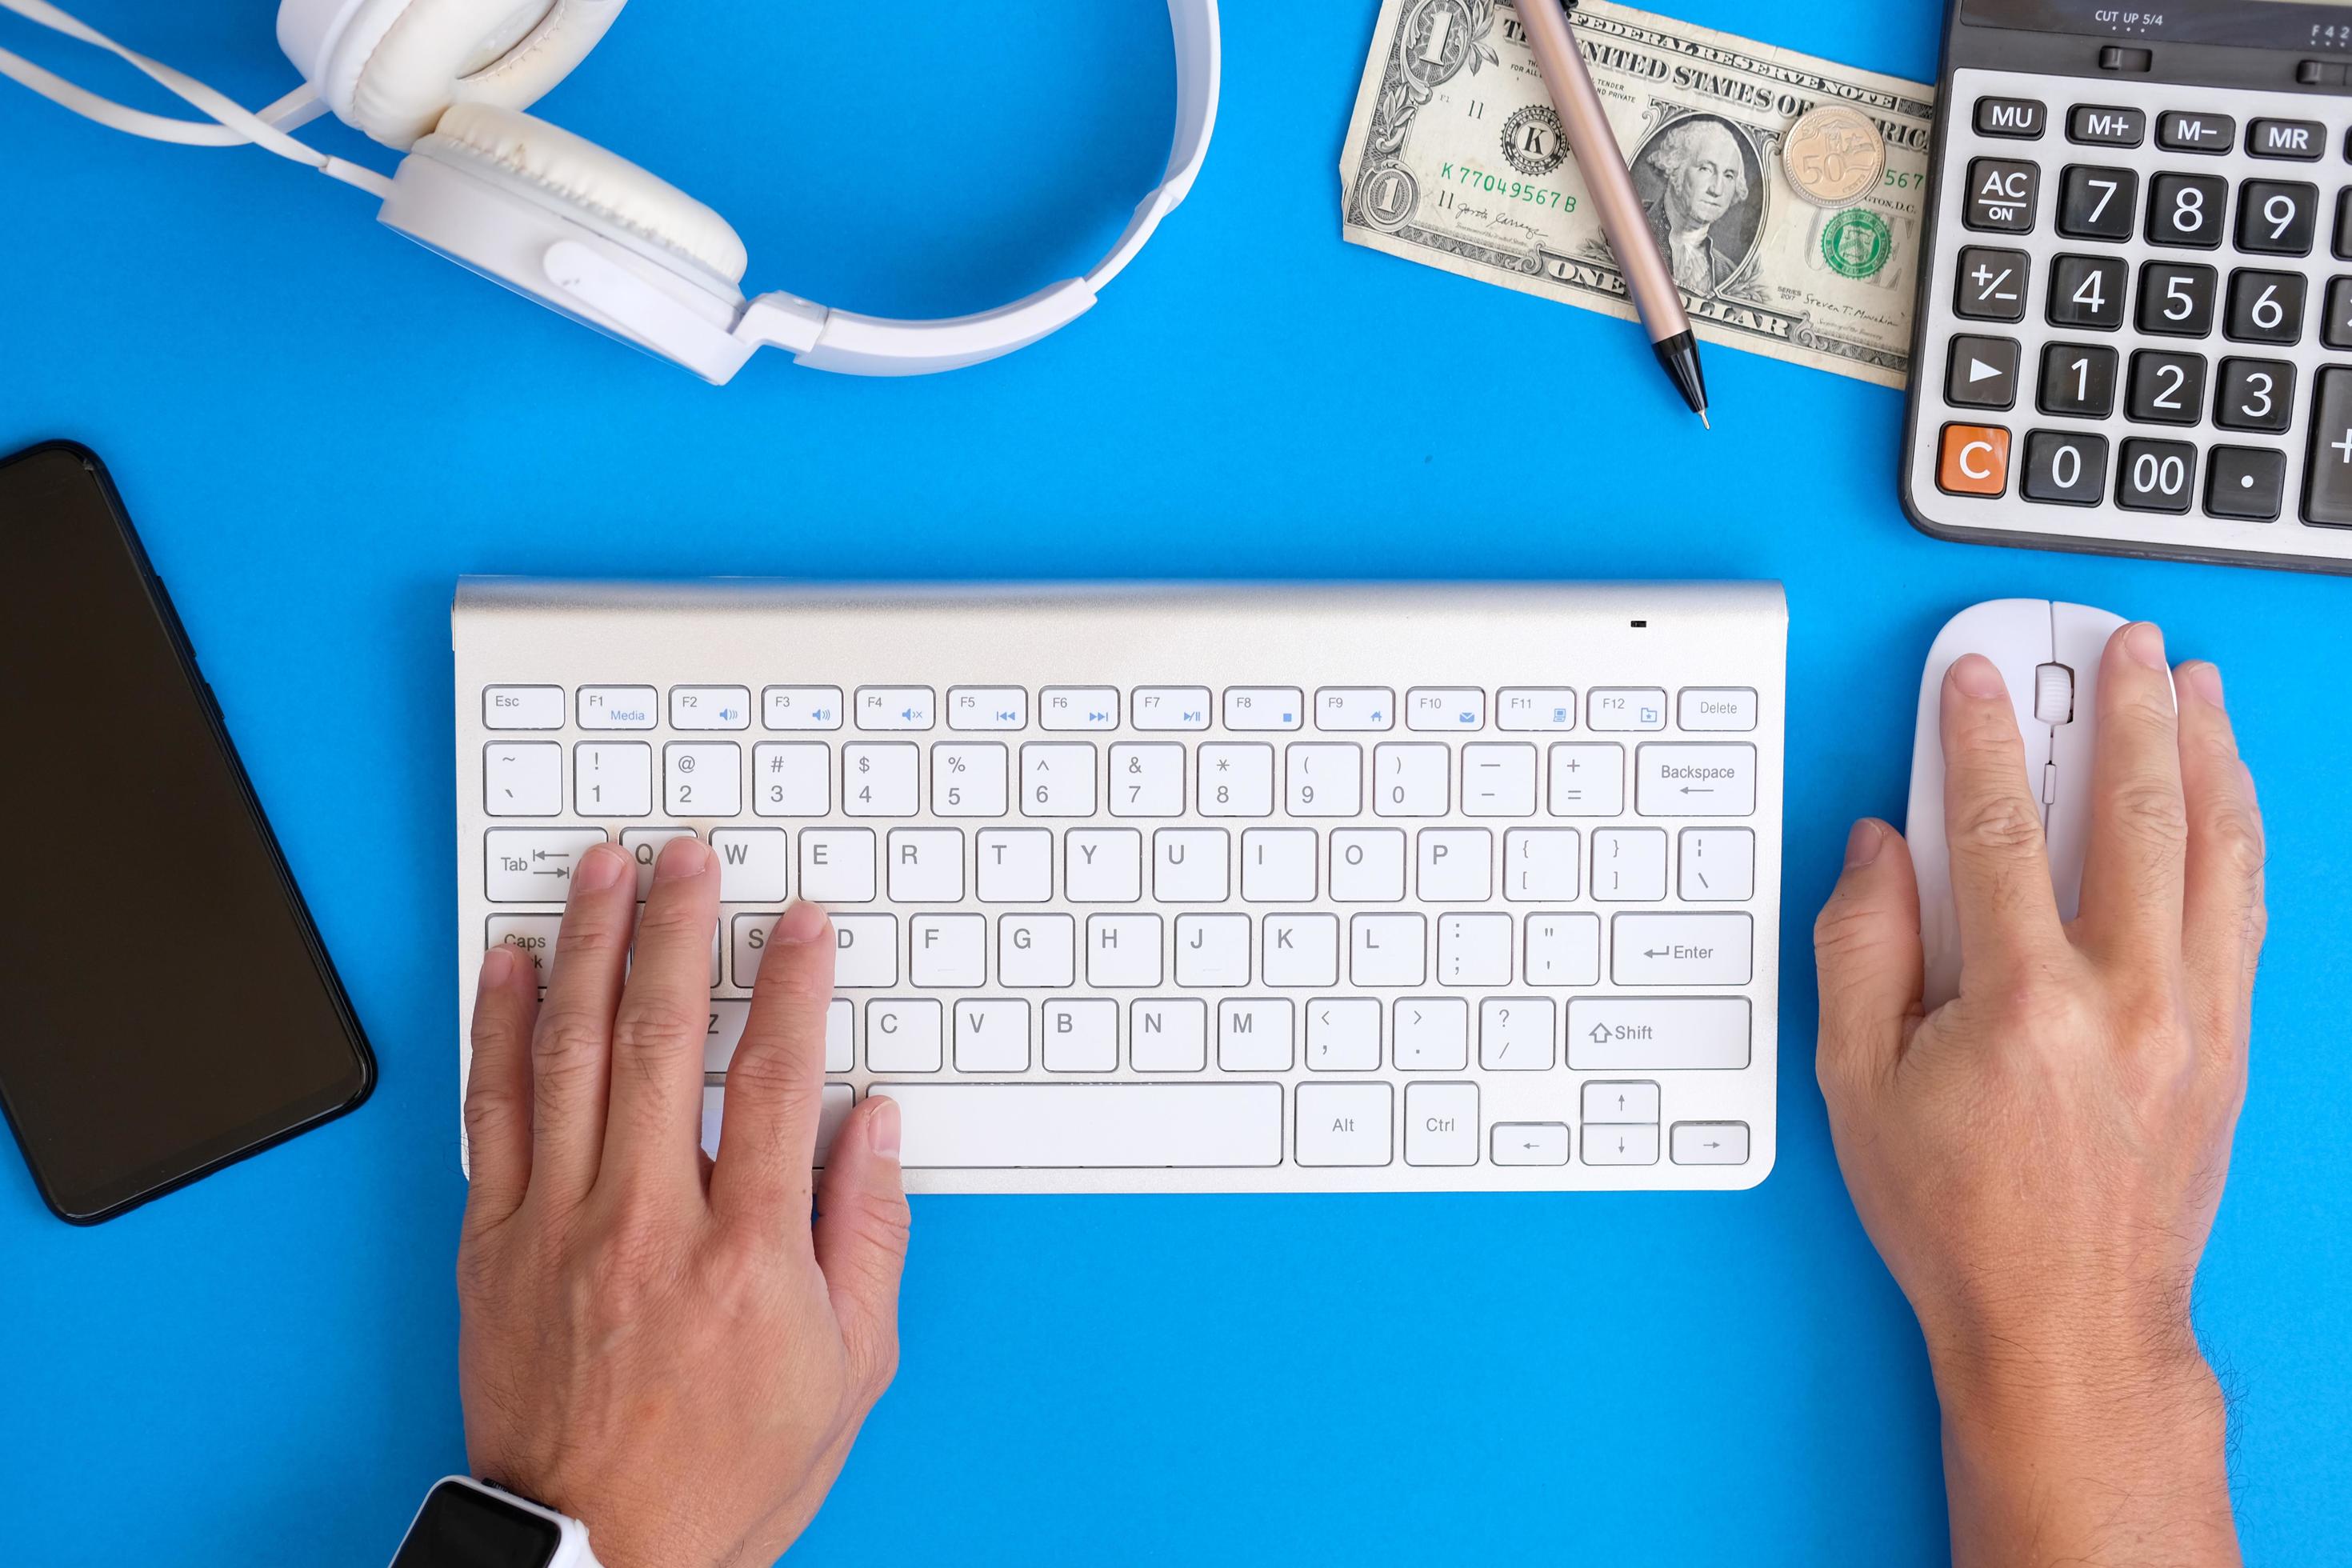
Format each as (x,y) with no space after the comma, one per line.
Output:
(2133,331)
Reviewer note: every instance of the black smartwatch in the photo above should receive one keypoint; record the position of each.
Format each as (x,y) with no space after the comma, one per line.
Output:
(466,1523)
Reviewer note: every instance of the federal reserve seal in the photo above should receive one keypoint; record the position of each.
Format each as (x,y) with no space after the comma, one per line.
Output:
(1833,154)
(1857,242)
(1532,142)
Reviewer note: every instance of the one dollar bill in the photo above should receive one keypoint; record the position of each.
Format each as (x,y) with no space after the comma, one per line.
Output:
(1454,159)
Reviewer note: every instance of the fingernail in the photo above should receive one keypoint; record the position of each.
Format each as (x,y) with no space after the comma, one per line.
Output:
(496,964)
(2203,679)
(680,858)
(882,1127)
(1863,844)
(1976,676)
(599,869)
(2144,643)
(801,924)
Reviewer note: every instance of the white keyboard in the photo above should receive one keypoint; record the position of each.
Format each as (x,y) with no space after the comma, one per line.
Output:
(1189,889)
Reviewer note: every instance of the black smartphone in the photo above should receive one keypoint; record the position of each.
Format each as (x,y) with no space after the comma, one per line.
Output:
(165,1004)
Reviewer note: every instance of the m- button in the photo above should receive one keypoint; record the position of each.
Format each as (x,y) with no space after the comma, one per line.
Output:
(1975,460)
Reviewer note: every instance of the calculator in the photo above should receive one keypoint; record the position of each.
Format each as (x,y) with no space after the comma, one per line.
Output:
(2133,330)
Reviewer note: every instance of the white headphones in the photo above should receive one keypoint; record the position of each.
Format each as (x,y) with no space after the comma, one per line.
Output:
(556,217)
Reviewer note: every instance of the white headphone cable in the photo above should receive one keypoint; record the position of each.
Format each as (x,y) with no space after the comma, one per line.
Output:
(237,126)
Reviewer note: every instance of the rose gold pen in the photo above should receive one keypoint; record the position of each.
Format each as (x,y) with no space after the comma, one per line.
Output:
(1611,184)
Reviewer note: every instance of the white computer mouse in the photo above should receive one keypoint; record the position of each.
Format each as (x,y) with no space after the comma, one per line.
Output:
(2049,654)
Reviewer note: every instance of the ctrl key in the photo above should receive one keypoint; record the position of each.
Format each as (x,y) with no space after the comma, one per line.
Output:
(1973,460)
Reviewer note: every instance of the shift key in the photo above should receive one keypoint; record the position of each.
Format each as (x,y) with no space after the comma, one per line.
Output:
(1655,1034)
(2327,482)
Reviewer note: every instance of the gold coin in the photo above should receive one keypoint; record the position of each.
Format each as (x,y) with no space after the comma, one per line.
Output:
(1833,154)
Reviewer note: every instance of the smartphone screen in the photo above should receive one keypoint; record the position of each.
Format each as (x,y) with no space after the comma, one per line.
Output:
(165,1006)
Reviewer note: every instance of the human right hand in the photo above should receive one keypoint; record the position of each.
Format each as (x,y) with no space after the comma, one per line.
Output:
(2039,1161)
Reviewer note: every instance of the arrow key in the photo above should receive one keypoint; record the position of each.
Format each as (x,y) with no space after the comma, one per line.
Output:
(1621,1101)
(1983,373)
(1709,1143)
(1528,1142)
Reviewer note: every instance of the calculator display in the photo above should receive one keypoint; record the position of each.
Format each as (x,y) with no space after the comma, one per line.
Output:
(2320,26)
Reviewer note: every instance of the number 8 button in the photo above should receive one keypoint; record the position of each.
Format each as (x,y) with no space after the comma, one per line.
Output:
(2187,209)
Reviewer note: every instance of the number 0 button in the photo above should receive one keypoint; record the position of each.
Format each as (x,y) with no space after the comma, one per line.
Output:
(2065,468)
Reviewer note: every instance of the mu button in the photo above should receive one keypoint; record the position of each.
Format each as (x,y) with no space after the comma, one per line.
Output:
(1975,460)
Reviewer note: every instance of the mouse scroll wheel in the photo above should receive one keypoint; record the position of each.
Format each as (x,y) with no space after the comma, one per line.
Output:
(2054,694)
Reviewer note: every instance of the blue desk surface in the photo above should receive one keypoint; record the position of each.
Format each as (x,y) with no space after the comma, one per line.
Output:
(318,426)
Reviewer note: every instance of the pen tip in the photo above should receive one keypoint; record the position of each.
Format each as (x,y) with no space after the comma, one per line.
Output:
(1702,420)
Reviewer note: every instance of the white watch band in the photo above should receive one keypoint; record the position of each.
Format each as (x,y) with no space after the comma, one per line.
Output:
(571,1550)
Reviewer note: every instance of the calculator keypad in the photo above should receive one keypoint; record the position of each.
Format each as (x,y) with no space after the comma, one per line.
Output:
(2134,294)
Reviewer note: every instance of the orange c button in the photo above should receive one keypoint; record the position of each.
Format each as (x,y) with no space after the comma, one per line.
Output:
(1975,460)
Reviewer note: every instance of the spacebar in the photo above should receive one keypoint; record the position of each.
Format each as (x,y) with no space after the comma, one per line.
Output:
(1099,1126)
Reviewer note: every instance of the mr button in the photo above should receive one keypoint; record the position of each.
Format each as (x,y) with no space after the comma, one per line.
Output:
(1975,460)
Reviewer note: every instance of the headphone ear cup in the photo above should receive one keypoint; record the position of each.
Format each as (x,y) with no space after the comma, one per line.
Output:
(392,67)
(593,186)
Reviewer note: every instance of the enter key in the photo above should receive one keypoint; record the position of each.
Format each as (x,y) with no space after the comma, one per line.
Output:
(1683,949)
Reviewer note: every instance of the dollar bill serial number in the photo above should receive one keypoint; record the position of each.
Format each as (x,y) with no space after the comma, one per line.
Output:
(1469,177)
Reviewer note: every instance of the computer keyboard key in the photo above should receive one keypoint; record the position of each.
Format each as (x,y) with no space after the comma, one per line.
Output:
(1608,1143)
(2102,125)
(2156,476)
(991,1035)
(1079,708)
(2336,325)
(1254,1034)
(613,778)
(1300,949)
(967,777)
(1323,778)
(1498,779)
(864,951)
(1618,708)
(2096,202)
(1345,1124)
(748,937)
(702,778)
(1343,1034)
(1441,1124)
(1367,865)
(1655,1034)
(878,778)
(1159,708)
(1562,950)
(1695,779)
(2066,468)
(1515,1034)
(2188,210)
(1528,1143)
(988,708)
(1108,1126)
(1212,951)
(1354,709)
(2166,388)
(894,708)
(1730,709)
(2303,139)
(1620,1102)
(1541,865)
(1147,779)
(522,778)
(906,1035)
(533,865)
(1011,865)
(2245,483)
(2264,307)
(2001,194)
(1037,951)
(618,707)
(1709,1143)
(2327,480)
(1989,284)
(2176,299)
(832,1109)
(1411,778)
(1982,373)
(1475,950)
(1058,778)
(2254,394)
(791,778)
(837,864)
(947,950)
(1535,707)
(1432,1034)
(1629,865)
(1168,1034)
(2022,117)
(1588,779)
(522,708)
(1188,865)
(801,707)
(1718,865)
(644,846)
(1682,949)
(2277,217)
(1387,950)
(1079,1037)
(725,1032)
(2087,292)
(1265,707)
(1279,866)
(1123,951)
(1444,708)
(709,707)
(1237,779)
(1454,865)
(2078,380)
(751,864)
(1100,866)
(2178,131)
(534,936)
